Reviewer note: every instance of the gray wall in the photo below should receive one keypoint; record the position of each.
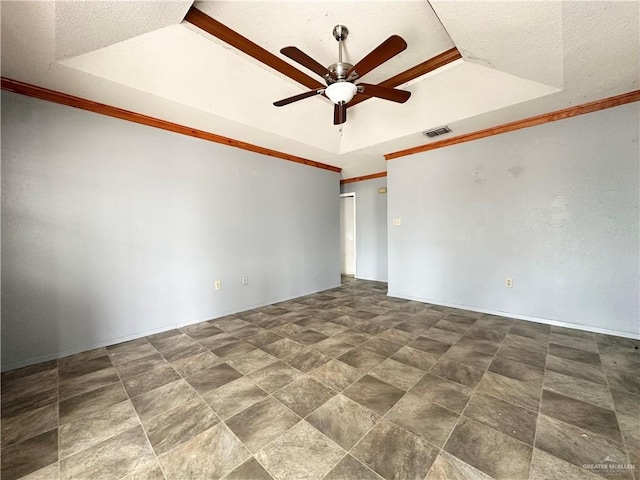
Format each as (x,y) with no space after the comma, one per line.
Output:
(555,207)
(112,230)
(371,228)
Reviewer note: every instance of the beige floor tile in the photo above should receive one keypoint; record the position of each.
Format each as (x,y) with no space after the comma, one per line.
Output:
(163,398)
(304,395)
(29,424)
(30,455)
(448,467)
(343,421)
(486,454)
(394,453)
(397,374)
(261,423)
(301,453)
(211,455)
(178,425)
(96,427)
(234,397)
(432,422)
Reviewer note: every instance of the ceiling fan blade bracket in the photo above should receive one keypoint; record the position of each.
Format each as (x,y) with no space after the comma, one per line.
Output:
(353,76)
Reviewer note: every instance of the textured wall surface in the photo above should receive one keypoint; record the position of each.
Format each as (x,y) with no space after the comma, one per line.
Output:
(111,230)
(555,207)
(371,228)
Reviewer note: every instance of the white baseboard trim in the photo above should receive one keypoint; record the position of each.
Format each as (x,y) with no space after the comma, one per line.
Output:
(370,279)
(90,346)
(146,333)
(557,323)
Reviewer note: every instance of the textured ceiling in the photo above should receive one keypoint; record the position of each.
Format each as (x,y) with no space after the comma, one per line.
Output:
(519,59)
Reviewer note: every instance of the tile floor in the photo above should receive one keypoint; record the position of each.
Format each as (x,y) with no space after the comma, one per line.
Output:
(344,384)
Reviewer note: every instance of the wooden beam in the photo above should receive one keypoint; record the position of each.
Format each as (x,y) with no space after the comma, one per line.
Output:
(524,123)
(423,68)
(231,37)
(102,109)
(365,177)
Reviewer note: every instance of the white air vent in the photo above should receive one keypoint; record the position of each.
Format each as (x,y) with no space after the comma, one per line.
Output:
(437,131)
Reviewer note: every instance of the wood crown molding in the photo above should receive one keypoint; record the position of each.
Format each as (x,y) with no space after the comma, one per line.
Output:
(609,102)
(365,177)
(102,109)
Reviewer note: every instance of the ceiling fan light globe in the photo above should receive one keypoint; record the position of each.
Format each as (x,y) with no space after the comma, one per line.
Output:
(341,92)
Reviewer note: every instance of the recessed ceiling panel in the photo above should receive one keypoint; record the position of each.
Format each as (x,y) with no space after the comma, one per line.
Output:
(215,80)
(462,91)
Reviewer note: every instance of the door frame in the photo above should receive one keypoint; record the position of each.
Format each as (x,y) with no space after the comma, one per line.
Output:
(355,243)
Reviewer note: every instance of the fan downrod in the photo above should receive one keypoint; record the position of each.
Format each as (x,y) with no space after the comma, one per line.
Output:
(339,69)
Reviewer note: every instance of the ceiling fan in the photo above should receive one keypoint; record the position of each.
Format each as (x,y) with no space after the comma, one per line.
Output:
(340,76)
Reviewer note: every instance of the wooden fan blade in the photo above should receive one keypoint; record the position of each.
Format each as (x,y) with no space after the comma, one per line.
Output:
(383,52)
(305,60)
(339,113)
(392,94)
(295,98)
(224,33)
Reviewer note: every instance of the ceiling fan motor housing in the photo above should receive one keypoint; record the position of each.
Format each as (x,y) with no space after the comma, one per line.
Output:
(339,70)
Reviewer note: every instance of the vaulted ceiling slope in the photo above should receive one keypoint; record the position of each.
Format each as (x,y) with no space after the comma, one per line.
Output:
(519,59)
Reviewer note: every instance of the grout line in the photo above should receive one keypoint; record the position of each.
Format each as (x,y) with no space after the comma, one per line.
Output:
(139,421)
(221,421)
(58,412)
(539,413)
(615,410)
(444,443)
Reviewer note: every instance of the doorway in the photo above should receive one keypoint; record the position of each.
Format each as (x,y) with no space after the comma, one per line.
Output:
(348,234)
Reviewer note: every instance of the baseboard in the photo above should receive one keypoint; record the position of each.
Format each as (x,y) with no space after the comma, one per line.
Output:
(251,307)
(557,323)
(370,279)
(146,333)
(90,346)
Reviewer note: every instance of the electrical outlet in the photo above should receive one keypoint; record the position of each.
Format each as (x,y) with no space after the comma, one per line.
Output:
(217,285)
(397,222)
(508,282)
(245,280)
